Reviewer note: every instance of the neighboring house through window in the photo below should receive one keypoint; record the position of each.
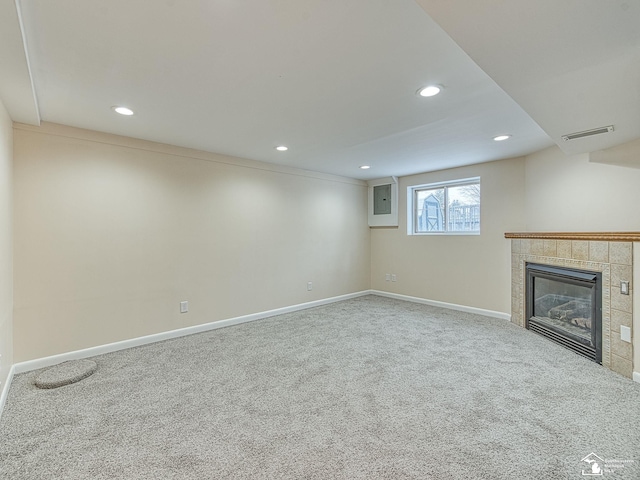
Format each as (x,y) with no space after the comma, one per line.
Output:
(448,207)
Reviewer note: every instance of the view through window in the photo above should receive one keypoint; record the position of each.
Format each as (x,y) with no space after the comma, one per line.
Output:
(452,207)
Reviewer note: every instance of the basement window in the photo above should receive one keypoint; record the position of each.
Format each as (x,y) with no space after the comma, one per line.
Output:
(451,208)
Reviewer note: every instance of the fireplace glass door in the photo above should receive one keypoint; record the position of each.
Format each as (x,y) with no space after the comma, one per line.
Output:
(565,305)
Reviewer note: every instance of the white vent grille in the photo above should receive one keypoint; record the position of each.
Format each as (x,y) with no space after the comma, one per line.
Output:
(587,133)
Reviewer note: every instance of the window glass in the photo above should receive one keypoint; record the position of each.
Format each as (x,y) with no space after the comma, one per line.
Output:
(452,207)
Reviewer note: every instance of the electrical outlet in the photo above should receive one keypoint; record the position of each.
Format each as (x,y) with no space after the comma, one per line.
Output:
(387,277)
(624,288)
(309,286)
(393,277)
(184,307)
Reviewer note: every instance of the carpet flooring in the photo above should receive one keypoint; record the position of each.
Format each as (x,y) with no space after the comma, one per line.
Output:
(366,388)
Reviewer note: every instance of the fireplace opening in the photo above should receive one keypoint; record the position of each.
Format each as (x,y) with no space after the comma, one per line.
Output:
(565,305)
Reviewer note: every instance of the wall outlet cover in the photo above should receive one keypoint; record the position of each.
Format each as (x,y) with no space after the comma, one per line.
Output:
(624,288)
(625,334)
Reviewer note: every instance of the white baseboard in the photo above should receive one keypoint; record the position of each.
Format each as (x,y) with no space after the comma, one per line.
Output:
(450,306)
(135,342)
(5,389)
(158,337)
(636,377)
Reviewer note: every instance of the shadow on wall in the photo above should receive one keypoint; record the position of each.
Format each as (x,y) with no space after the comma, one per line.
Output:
(626,155)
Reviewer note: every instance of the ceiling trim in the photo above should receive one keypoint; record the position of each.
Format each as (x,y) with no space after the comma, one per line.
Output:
(64,131)
(17,88)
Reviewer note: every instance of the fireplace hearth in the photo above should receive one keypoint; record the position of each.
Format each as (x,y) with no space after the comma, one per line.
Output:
(565,305)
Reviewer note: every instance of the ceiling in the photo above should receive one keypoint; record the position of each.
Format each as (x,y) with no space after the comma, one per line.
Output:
(334,80)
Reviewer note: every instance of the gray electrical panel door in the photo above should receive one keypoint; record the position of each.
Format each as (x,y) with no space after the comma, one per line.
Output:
(382,200)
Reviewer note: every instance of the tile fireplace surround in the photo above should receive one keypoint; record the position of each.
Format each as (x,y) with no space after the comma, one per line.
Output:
(609,253)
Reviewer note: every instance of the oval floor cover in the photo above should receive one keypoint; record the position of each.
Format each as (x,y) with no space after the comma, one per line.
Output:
(66,373)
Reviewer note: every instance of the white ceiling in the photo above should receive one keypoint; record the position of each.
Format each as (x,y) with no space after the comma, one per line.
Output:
(335,80)
(573,65)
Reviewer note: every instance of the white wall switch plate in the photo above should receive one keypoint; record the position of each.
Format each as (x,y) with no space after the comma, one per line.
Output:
(309,286)
(625,333)
(184,307)
(387,277)
(393,277)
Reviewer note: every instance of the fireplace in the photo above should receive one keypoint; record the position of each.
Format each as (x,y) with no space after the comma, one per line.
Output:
(609,253)
(565,305)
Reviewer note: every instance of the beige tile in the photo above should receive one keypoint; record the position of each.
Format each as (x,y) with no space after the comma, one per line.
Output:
(519,308)
(606,351)
(621,365)
(537,246)
(517,262)
(621,273)
(599,251)
(517,272)
(620,318)
(606,275)
(517,290)
(579,250)
(606,359)
(576,263)
(516,277)
(606,307)
(620,253)
(549,248)
(621,348)
(516,245)
(525,246)
(561,262)
(619,301)
(517,315)
(563,248)
(606,328)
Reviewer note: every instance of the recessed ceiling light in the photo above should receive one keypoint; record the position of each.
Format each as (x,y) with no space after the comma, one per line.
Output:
(365,167)
(123,110)
(501,138)
(430,90)
(282,148)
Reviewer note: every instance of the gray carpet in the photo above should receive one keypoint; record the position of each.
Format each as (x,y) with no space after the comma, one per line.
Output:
(366,388)
(65,373)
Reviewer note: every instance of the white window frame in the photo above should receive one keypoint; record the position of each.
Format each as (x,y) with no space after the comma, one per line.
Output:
(412,210)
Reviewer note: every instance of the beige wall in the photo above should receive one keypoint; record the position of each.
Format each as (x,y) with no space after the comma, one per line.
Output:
(469,270)
(112,233)
(572,193)
(6,260)
(545,191)
(635,329)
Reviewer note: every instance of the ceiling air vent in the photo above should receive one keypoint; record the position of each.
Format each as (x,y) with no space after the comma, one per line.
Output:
(587,133)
